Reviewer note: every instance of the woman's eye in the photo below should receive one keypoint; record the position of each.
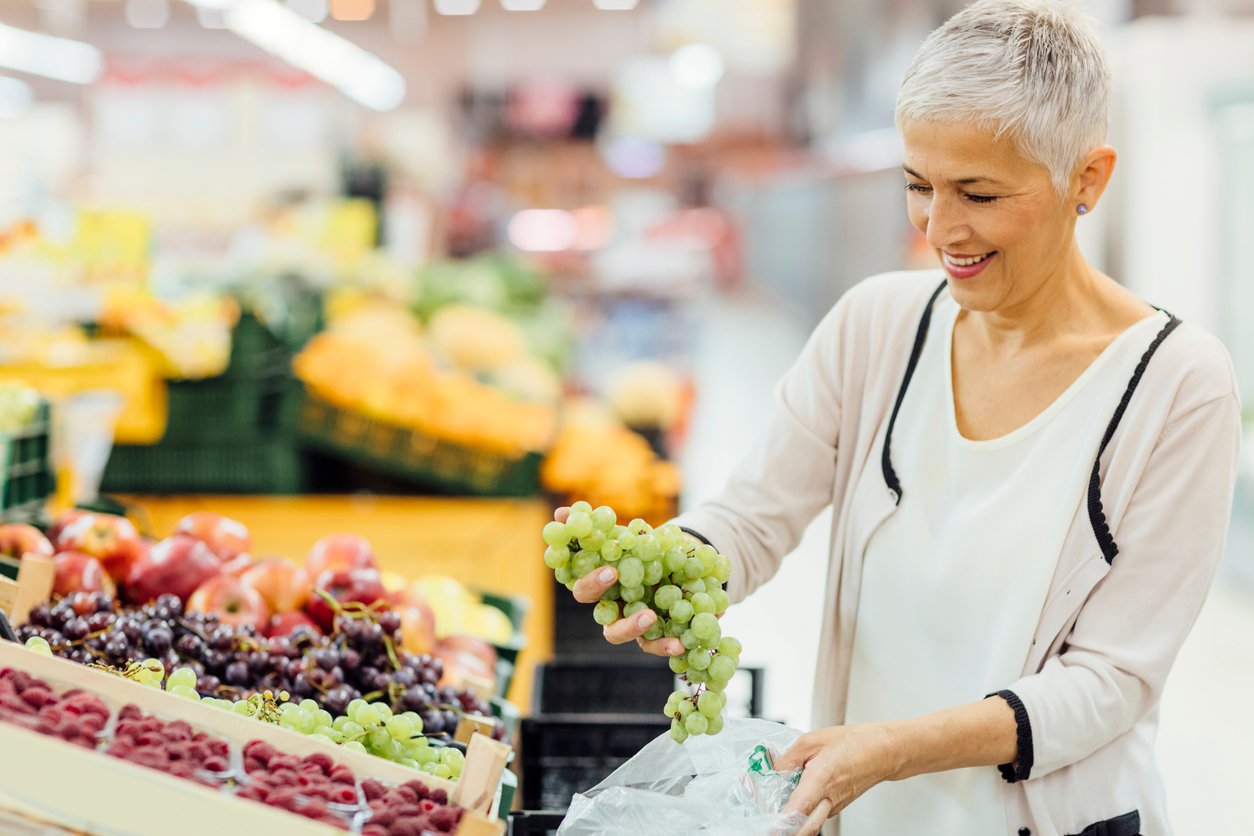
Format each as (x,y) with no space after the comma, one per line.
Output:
(918,188)
(981,198)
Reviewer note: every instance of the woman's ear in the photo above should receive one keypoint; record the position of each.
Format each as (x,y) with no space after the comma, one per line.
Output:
(1092,175)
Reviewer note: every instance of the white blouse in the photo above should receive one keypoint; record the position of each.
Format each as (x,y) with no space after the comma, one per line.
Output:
(953,583)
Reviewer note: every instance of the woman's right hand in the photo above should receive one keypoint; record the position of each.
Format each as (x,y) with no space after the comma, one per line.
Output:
(590,588)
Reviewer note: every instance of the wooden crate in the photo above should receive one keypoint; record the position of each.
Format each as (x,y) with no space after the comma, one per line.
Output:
(137,793)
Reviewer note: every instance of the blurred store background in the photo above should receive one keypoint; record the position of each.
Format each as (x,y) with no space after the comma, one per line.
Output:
(540,250)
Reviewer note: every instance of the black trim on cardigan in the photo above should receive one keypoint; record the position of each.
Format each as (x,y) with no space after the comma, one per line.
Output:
(696,534)
(1129,824)
(1097,516)
(1021,768)
(890,475)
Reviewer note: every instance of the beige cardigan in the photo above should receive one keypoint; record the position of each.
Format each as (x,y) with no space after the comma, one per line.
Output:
(1087,701)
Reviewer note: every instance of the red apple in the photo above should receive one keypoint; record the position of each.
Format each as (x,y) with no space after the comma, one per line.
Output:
(283,584)
(360,585)
(78,572)
(465,655)
(285,623)
(17,539)
(62,522)
(238,565)
(418,627)
(340,551)
(177,565)
(232,601)
(110,539)
(224,535)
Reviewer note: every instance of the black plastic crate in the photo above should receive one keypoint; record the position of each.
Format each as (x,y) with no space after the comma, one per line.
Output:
(564,754)
(265,467)
(638,684)
(535,822)
(25,470)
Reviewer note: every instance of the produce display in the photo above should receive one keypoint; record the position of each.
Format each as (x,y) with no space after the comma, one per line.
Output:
(595,456)
(677,577)
(315,786)
(378,361)
(18,406)
(327,658)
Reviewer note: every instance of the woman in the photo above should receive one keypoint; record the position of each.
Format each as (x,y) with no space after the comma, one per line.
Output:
(1031,469)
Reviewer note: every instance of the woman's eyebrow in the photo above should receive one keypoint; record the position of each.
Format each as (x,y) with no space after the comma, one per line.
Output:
(961,181)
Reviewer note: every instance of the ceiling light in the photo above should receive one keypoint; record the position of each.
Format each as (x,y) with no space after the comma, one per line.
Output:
(147,14)
(522,5)
(359,74)
(697,66)
(59,58)
(457,7)
(315,11)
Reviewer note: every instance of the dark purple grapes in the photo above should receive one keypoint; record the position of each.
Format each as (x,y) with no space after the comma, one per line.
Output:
(237,673)
(76,628)
(390,622)
(98,621)
(158,639)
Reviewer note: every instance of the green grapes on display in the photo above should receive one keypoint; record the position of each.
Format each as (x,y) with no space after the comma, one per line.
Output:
(664,570)
(370,728)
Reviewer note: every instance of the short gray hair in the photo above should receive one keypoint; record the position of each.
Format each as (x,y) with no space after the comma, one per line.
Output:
(1032,70)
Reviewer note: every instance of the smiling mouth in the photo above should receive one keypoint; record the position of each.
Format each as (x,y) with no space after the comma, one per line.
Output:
(968,260)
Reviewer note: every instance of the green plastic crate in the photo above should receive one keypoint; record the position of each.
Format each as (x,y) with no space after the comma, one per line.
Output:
(401,452)
(264,467)
(25,471)
(244,402)
(222,408)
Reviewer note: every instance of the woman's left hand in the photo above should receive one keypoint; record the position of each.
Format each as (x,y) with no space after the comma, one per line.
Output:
(838,764)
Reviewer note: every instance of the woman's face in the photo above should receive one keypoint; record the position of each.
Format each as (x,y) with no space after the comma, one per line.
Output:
(991,215)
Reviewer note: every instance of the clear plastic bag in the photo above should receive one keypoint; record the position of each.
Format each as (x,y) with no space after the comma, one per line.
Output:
(718,784)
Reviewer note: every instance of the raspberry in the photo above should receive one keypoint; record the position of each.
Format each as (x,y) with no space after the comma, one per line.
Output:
(217,748)
(252,765)
(341,774)
(373,789)
(178,730)
(428,804)
(37,697)
(374,830)
(439,796)
(407,793)
(322,760)
(214,764)
(418,788)
(407,827)
(314,810)
(383,819)
(130,712)
(444,819)
(149,739)
(256,792)
(344,795)
(152,724)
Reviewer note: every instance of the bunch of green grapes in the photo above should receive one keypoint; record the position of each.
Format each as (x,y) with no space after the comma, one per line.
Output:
(370,728)
(677,577)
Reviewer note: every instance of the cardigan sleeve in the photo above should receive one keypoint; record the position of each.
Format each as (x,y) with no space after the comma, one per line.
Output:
(1111,671)
(787,476)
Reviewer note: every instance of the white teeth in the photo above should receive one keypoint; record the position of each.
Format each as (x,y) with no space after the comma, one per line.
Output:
(966,262)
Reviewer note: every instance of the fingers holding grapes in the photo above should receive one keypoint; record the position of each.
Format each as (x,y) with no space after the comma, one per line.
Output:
(658,587)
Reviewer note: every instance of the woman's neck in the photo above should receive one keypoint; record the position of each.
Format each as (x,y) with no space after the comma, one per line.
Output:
(1074,300)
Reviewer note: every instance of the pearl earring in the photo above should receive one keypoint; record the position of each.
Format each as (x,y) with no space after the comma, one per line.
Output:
(1082,209)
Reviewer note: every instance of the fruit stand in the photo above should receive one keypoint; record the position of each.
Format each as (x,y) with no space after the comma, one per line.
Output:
(488,544)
